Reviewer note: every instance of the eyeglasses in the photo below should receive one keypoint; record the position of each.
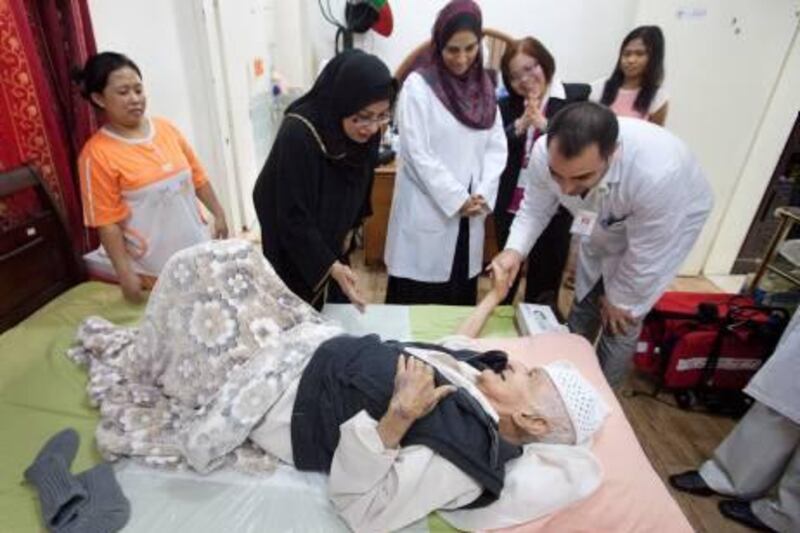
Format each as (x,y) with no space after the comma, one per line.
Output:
(366,120)
(527,72)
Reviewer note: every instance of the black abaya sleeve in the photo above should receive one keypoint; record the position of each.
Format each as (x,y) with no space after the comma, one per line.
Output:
(516,145)
(366,206)
(298,172)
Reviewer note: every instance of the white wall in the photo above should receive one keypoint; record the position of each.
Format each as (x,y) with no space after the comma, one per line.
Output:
(766,150)
(241,33)
(292,50)
(583,35)
(724,59)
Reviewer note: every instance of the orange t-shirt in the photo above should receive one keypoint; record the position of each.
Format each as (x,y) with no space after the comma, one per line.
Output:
(110,165)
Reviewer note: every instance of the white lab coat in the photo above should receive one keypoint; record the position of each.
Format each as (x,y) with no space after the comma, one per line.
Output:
(651,205)
(777,383)
(440,161)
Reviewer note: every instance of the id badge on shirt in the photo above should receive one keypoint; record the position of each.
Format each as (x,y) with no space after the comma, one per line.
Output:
(583,223)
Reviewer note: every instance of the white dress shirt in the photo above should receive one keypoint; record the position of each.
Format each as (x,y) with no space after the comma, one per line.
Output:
(440,162)
(378,489)
(650,205)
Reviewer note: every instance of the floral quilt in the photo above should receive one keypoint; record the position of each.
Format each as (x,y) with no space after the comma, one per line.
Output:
(221,340)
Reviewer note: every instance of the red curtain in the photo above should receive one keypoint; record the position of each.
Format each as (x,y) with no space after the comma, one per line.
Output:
(43,120)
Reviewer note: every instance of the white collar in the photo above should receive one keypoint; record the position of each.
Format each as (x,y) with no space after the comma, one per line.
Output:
(459,374)
(148,139)
(556,90)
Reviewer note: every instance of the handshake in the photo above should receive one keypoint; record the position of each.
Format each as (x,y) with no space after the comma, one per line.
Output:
(616,320)
(504,268)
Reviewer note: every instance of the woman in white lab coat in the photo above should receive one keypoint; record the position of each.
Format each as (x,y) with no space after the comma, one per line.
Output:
(452,152)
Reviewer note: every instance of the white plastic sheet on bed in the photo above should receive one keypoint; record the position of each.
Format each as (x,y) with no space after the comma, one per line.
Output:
(285,500)
(388,321)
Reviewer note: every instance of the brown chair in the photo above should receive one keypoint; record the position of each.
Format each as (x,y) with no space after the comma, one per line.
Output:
(494,43)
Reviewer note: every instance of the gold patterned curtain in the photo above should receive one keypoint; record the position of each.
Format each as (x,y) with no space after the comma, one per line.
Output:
(43,120)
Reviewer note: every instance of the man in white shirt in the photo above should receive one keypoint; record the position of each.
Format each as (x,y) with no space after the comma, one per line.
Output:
(639,199)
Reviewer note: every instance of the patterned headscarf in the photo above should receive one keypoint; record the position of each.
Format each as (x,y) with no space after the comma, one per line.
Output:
(469,97)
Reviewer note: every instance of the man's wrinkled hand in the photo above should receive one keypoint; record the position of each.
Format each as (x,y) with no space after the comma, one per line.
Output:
(415,394)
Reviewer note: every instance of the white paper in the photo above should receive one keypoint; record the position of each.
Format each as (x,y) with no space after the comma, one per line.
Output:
(391,322)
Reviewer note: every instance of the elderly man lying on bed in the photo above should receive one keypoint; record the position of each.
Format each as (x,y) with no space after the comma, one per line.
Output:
(226,355)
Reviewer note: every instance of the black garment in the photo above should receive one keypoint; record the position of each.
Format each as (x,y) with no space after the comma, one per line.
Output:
(306,204)
(316,183)
(460,289)
(549,254)
(546,261)
(349,374)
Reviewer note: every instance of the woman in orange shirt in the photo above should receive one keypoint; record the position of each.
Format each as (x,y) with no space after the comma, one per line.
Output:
(139,180)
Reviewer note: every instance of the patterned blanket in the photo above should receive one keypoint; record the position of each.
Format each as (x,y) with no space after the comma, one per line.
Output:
(221,340)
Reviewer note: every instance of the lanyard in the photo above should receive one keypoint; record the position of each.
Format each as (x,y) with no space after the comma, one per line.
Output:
(530,139)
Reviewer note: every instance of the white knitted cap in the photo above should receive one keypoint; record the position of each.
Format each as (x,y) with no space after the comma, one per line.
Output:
(586,408)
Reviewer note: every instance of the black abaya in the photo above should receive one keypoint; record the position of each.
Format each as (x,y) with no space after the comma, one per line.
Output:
(315,186)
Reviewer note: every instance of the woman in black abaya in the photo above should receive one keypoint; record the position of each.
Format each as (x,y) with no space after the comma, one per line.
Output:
(315,187)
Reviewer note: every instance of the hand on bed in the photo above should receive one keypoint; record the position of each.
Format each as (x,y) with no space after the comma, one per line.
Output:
(131,286)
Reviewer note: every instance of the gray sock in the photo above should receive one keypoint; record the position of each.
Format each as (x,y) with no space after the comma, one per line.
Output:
(60,493)
(63,443)
(107,509)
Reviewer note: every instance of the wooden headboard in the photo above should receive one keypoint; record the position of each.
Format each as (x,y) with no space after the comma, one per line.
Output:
(37,260)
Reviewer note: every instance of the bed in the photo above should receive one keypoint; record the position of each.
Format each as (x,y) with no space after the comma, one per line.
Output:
(41,391)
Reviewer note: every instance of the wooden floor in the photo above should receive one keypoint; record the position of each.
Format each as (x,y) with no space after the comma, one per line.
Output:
(674,440)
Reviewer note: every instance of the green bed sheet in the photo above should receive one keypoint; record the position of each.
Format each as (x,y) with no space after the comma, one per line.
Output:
(41,391)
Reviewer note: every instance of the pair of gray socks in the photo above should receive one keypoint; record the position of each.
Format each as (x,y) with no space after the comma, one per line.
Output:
(90,502)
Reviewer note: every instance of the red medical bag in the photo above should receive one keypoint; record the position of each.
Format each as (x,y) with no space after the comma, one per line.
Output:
(706,343)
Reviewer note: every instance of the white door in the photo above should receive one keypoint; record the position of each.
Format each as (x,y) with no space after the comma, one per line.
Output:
(771,139)
(723,59)
(239,38)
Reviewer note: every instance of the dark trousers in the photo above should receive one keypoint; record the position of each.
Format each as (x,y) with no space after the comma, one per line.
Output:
(460,289)
(547,259)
